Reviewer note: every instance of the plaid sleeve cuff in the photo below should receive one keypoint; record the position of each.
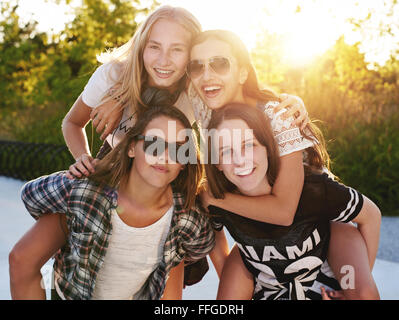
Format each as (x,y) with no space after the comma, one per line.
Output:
(47,194)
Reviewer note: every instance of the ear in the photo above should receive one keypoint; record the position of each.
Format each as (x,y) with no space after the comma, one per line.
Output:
(243,76)
(132,153)
(219,167)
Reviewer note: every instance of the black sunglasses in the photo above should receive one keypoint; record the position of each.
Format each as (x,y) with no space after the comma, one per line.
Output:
(155,146)
(219,65)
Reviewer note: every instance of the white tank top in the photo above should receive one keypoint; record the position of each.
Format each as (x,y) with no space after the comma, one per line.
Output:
(132,255)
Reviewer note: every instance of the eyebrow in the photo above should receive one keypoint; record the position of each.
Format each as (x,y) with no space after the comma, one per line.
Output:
(175,44)
(244,142)
(162,138)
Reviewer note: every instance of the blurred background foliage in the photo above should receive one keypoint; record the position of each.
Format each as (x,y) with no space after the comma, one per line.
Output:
(356,103)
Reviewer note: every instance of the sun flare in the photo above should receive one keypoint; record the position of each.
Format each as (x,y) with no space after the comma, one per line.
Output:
(307,31)
(308,27)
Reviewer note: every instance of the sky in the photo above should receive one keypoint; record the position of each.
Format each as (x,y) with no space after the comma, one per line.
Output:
(309,27)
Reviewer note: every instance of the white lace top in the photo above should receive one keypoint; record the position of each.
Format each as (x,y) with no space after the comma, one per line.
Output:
(288,136)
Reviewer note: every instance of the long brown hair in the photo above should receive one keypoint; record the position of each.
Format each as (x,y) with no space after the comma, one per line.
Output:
(256,120)
(317,157)
(116,165)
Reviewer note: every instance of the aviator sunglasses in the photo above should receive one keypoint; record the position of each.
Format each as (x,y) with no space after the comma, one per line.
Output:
(155,146)
(220,65)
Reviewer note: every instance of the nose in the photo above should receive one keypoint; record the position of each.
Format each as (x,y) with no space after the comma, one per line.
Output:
(164,156)
(163,58)
(238,158)
(208,72)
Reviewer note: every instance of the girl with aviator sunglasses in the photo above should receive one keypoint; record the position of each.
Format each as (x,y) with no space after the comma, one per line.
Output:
(221,72)
(133,222)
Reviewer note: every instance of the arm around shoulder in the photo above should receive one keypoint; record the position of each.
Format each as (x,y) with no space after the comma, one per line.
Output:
(280,206)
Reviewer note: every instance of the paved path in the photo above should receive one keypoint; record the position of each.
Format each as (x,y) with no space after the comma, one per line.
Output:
(16,220)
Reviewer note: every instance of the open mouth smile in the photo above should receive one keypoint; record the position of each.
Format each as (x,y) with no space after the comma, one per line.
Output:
(211,91)
(162,73)
(244,172)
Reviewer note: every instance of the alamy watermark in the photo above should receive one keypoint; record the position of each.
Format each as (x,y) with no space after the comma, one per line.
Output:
(215,146)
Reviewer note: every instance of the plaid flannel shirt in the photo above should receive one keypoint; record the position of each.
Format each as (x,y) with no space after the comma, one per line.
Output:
(88,210)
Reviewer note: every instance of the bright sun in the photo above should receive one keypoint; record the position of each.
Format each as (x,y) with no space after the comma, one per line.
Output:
(308,27)
(307,31)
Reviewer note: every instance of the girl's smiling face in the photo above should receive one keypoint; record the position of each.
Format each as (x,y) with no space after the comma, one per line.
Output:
(166,53)
(243,160)
(217,89)
(157,170)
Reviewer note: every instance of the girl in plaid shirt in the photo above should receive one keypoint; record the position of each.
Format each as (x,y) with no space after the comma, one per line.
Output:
(134,187)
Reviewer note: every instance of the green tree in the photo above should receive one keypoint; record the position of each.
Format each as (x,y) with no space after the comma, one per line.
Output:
(43,75)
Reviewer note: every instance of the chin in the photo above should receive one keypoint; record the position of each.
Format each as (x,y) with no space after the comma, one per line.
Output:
(214,105)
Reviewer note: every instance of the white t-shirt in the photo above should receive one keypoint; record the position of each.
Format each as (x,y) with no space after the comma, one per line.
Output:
(132,255)
(98,86)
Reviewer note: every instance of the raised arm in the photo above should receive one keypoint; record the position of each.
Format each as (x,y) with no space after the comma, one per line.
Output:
(73,128)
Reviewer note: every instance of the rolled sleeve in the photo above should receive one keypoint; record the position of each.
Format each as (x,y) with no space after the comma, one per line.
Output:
(47,194)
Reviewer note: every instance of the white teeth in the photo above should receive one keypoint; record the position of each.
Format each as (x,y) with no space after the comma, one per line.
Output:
(243,172)
(163,71)
(211,88)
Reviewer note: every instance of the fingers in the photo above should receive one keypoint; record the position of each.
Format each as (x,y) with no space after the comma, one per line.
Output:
(290,102)
(293,111)
(110,127)
(283,96)
(93,113)
(87,162)
(99,119)
(69,175)
(302,121)
(283,104)
(84,165)
(94,116)
(296,109)
(324,294)
(331,295)
(106,122)
(101,124)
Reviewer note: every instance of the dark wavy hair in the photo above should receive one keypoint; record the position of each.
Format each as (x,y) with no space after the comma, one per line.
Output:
(116,165)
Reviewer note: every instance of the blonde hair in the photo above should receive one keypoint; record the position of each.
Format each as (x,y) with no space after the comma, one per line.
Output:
(128,58)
